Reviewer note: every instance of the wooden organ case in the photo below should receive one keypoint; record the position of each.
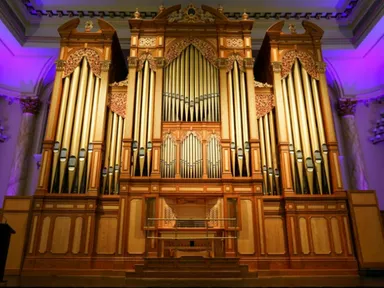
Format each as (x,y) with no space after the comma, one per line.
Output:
(186,154)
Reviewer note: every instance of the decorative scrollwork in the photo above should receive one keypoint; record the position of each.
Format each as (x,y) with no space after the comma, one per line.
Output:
(321,67)
(276,66)
(132,62)
(248,62)
(305,59)
(119,84)
(191,14)
(204,47)
(117,102)
(264,104)
(235,57)
(146,56)
(74,59)
(147,42)
(105,65)
(235,43)
(261,85)
(60,65)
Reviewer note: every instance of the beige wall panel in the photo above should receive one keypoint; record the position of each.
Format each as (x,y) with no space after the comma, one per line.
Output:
(320,235)
(136,236)
(363,198)
(274,234)
(77,235)
(106,236)
(17,204)
(44,234)
(246,238)
(18,222)
(60,238)
(304,235)
(369,234)
(336,235)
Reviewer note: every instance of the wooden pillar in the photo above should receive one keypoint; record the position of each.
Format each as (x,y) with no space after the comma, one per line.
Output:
(330,134)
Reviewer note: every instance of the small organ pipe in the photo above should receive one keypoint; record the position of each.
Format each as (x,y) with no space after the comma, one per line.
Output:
(135,147)
(268,151)
(107,148)
(192,83)
(68,125)
(289,130)
(320,128)
(296,131)
(118,154)
(202,86)
(150,121)
(263,155)
(112,151)
(232,123)
(60,127)
(92,129)
(196,84)
(144,118)
(244,120)
(303,126)
(239,136)
(187,89)
(312,128)
(274,152)
(182,86)
(85,129)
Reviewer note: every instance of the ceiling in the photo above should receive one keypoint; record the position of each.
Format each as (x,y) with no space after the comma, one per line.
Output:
(34,23)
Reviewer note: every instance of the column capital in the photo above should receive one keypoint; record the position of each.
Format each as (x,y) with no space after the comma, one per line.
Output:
(105,65)
(321,67)
(346,107)
(276,66)
(30,105)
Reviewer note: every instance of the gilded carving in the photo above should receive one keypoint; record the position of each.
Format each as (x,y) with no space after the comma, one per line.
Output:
(321,67)
(235,57)
(30,105)
(276,66)
(119,84)
(132,62)
(191,14)
(204,47)
(264,104)
(60,65)
(146,56)
(74,59)
(306,61)
(235,43)
(160,62)
(248,62)
(117,101)
(346,106)
(222,62)
(105,65)
(147,42)
(261,85)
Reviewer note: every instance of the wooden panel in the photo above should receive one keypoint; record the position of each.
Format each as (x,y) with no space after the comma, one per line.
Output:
(89,221)
(16,204)
(363,198)
(261,226)
(293,235)
(33,235)
(60,238)
(320,235)
(121,225)
(136,237)
(274,234)
(106,236)
(347,235)
(44,234)
(336,235)
(245,241)
(77,235)
(369,233)
(19,223)
(304,235)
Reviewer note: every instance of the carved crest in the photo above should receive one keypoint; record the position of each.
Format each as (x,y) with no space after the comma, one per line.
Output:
(191,14)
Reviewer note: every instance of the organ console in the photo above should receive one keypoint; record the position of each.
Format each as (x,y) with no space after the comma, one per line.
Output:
(185,134)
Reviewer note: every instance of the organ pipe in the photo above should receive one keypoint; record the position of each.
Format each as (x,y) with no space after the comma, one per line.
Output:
(312,127)
(190,88)
(68,125)
(168,157)
(144,117)
(107,149)
(303,126)
(135,145)
(85,129)
(214,158)
(296,132)
(244,121)
(263,156)
(118,154)
(150,120)
(60,127)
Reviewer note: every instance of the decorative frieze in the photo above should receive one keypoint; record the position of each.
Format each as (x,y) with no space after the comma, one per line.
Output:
(30,105)
(147,42)
(235,43)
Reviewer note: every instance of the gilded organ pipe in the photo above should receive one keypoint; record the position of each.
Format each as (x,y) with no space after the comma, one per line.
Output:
(68,125)
(135,145)
(107,149)
(118,154)
(60,127)
(312,128)
(244,121)
(144,118)
(263,156)
(150,120)
(86,126)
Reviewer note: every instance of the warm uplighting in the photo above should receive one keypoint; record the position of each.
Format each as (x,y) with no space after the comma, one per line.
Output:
(378,131)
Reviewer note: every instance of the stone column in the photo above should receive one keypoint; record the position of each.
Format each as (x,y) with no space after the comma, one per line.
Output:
(357,172)
(19,168)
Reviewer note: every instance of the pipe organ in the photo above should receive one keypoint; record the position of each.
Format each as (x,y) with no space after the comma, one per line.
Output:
(191,147)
